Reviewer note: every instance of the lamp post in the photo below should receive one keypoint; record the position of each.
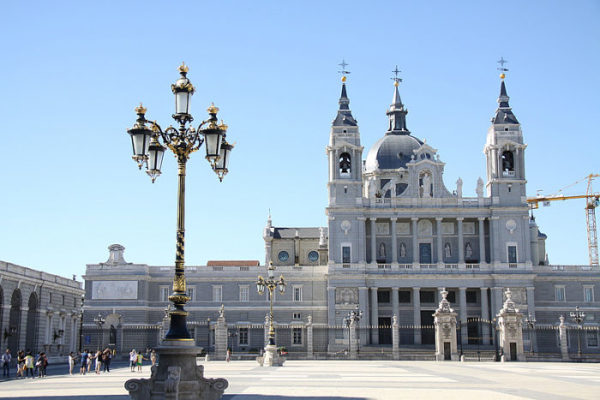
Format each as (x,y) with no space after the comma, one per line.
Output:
(99,321)
(270,284)
(578,317)
(351,320)
(149,142)
(530,321)
(183,141)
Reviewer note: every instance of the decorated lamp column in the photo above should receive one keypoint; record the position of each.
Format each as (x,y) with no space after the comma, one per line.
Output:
(444,320)
(270,356)
(510,324)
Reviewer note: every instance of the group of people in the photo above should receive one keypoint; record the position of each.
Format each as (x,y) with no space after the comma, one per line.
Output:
(27,364)
(100,359)
(136,359)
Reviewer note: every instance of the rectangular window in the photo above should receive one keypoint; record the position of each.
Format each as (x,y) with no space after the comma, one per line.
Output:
(244,293)
(346,254)
(63,299)
(297,293)
(164,293)
(297,336)
(191,292)
(383,296)
(297,316)
(451,296)
(243,335)
(471,296)
(592,338)
(50,300)
(404,296)
(559,293)
(427,296)
(588,294)
(217,293)
(512,254)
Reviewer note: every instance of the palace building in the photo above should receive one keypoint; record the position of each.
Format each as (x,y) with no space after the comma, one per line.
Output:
(396,236)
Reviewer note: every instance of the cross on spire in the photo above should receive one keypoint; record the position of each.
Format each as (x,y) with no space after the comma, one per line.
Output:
(395,78)
(502,61)
(344,72)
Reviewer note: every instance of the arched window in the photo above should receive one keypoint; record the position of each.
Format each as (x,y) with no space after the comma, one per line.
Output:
(32,322)
(508,162)
(345,163)
(14,321)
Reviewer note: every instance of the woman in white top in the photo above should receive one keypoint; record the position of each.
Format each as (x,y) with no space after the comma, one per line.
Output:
(71,362)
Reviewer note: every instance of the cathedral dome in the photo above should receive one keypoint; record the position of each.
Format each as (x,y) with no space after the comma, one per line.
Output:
(391,152)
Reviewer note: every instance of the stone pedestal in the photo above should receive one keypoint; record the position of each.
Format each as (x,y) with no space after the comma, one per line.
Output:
(510,325)
(395,338)
(270,357)
(562,335)
(445,331)
(177,376)
(353,350)
(221,336)
(309,338)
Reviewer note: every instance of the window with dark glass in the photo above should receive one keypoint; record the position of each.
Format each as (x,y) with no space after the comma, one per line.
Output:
(383,296)
(512,254)
(346,254)
(427,296)
(297,335)
(243,336)
(471,296)
(404,296)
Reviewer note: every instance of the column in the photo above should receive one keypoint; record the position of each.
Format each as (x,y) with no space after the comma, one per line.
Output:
(462,304)
(374,317)
(481,240)
(526,241)
(394,242)
(395,302)
(485,316)
(395,338)
(494,234)
(562,335)
(415,241)
(373,241)
(496,300)
(363,304)
(531,312)
(417,314)
(362,240)
(352,340)
(309,338)
(440,245)
(331,313)
(461,240)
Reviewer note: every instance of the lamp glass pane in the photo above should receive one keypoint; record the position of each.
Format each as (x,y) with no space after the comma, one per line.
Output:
(182,102)
(155,158)
(213,143)
(140,143)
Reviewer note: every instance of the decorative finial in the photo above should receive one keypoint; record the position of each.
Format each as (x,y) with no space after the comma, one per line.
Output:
(223,126)
(344,72)
(395,78)
(140,109)
(212,109)
(183,68)
(502,70)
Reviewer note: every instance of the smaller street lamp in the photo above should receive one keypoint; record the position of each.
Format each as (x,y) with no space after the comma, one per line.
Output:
(530,321)
(99,321)
(578,317)
(353,317)
(271,284)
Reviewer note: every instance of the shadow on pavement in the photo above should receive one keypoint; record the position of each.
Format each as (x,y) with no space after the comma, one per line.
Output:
(262,396)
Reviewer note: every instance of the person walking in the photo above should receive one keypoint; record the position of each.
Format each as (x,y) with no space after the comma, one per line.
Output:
(29,360)
(6,359)
(98,358)
(106,357)
(140,359)
(71,362)
(44,365)
(132,359)
(228,355)
(20,363)
(84,360)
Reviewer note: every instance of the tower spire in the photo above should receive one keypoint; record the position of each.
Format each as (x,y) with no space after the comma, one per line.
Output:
(504,114)
(397,112)
(344,115)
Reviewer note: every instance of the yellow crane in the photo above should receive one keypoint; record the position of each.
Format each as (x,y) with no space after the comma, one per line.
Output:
(592,200)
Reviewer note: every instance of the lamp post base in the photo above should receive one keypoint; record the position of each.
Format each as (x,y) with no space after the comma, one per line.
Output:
(270,357)
(177,376)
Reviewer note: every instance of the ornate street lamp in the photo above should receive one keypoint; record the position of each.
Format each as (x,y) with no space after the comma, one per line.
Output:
(353,317)
(271,284)
(530,321)
(184,140)
(578,317)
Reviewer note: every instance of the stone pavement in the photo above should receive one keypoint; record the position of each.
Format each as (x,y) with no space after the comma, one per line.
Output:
(346,380)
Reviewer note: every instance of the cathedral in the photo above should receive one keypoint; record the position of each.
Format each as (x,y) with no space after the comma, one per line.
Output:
(396,237)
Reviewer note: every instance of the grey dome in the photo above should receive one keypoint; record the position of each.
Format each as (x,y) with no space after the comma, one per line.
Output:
(391,152)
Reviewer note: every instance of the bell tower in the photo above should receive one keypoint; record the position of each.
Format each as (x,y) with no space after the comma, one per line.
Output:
(344,154)
(505,153)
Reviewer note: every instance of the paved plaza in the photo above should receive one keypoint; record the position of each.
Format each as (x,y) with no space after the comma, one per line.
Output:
(348,380)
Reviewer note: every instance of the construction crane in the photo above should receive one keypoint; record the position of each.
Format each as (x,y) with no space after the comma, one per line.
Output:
(592,200)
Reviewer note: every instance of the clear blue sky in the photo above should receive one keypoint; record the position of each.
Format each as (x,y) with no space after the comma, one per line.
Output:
(72,73)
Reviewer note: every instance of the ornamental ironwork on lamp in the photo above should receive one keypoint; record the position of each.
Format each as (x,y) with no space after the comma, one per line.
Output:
(271,284)
(150,141)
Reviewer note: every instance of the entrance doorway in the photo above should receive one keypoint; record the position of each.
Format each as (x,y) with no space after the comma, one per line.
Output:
(427,331)
(513,351)
(473,331)
(385,330)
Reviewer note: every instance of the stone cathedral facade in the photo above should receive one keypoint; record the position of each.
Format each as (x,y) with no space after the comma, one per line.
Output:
(396,236)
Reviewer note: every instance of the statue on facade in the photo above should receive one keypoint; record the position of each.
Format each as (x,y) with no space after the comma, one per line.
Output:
(479,189)
(468,250)
(459,185)
(426,186)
